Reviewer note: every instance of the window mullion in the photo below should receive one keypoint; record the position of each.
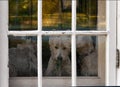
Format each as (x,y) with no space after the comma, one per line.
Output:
(73,50)
(39,43)
(36,32)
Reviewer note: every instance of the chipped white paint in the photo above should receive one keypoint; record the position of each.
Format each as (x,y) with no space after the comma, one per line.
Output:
(35,33)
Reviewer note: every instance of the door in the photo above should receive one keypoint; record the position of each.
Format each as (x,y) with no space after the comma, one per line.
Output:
(58,43)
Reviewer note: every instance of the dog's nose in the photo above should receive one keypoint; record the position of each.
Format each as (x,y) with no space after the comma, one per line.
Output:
(60,58)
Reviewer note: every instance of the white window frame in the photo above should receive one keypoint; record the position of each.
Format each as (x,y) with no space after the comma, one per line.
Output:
(118,39)
(4,44)
(110,33)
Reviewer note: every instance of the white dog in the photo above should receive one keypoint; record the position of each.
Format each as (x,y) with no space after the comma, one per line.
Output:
(59,63)
(87,56)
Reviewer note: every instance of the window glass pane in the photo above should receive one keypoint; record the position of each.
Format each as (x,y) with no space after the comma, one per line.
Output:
(22,14)
(56,61)
(22,61)
(56,14)
(90,57)
(91,15)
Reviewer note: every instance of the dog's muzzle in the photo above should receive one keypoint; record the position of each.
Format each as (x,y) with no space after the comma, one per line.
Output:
(60,58)
(59,61)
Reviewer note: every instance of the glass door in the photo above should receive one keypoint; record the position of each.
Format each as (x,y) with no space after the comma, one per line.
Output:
(55,43)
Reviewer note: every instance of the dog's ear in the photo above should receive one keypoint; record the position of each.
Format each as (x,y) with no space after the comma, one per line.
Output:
(89,41)
(51,40)
(91,45)
(85,41)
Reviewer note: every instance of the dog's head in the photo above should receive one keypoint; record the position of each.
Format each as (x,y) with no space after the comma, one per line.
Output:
(84,45)
(60,47)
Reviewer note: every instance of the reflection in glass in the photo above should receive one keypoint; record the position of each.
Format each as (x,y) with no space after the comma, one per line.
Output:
(91,14)
(22,14)
(22,56)
(56,14)
(56,56)
(87,58)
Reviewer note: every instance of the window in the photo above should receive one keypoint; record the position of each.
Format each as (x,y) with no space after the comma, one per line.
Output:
(72,31)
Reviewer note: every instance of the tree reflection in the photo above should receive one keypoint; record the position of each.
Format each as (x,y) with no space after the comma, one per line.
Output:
(56,14)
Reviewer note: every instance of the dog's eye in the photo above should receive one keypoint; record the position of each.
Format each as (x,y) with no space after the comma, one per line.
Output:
(56,47)
(64,48)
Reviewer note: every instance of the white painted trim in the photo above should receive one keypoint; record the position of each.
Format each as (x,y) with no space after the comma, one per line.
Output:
(73,50)
(4,44)
(39,56)
(39,43)
(118,39)
(53,81)
(23,33)
(36,32)
(111,43)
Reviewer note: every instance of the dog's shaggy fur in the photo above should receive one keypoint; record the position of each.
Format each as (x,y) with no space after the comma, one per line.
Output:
(87,56)
(59,62)
(22,60)
(88,65)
